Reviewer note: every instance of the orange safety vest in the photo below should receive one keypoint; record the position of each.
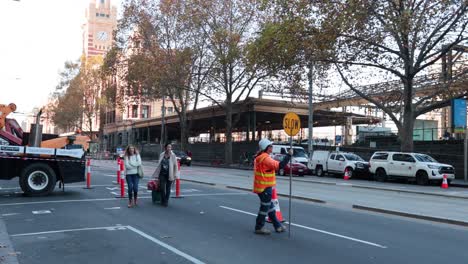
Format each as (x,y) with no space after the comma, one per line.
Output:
(264,172)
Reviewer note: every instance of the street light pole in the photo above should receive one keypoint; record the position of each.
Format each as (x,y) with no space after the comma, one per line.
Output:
(163,116)
(311,111)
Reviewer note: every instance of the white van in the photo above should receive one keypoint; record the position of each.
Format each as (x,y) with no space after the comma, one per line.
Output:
(299,154)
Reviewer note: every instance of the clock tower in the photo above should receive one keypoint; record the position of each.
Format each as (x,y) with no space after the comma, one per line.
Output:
(101,21)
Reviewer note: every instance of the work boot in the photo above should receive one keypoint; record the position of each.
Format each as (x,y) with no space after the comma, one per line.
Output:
(280,229)
(262,231)
(130,203)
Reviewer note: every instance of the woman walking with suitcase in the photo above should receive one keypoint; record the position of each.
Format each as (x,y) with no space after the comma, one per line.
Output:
(166,171)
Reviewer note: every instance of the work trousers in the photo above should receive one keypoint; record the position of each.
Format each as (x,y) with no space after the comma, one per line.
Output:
(266,208)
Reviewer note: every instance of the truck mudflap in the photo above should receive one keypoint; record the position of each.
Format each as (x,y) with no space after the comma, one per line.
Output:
(71,170)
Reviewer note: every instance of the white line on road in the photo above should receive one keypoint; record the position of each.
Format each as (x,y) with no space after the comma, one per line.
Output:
(314,229)
(10,214)
(113,199)
(110,228)
(212,194)
(118,227)
(112,208)
(41,212)
(159,242)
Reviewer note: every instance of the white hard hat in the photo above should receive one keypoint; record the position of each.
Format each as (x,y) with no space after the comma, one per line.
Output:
(264,143)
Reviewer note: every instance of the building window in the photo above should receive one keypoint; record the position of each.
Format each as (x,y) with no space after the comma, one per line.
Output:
(102,1)
(107,16)
(145,113)
(170,109)
(97,14)
(134,111)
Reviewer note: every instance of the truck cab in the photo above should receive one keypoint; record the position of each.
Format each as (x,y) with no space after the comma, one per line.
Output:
(336,162)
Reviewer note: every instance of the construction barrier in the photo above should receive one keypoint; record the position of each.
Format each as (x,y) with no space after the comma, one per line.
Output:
(178,180)
(122,188)
(274,200)
(88,174)
(119,161)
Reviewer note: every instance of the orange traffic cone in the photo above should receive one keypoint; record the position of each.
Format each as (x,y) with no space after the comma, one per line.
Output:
(444,183)
(346,174)
(274,200)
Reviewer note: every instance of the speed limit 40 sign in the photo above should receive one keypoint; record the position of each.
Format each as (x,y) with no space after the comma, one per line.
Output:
(291,124)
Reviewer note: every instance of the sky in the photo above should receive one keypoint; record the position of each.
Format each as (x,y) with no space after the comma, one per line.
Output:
(38,36)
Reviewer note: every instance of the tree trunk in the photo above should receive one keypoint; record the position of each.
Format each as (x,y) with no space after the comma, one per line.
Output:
(228,134)
(408,117)
(407,133)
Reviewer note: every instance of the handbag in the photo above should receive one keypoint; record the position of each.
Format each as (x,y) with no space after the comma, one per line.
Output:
(153,185)
(140,171)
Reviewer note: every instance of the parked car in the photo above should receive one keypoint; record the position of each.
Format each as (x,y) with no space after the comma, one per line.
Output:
(411,166)
(337,162)
(298,168)
(183,157)
(299,153)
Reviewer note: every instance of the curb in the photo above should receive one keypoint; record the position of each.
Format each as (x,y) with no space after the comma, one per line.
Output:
(409,191)
(409,215)
(282,195)
(200,182)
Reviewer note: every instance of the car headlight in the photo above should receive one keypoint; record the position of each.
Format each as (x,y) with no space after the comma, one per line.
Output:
(189,158)
(435,167)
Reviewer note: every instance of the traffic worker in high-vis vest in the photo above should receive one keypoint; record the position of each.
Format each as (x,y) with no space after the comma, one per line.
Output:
(265,168)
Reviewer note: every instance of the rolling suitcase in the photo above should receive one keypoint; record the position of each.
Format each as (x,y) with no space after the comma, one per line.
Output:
(153,186)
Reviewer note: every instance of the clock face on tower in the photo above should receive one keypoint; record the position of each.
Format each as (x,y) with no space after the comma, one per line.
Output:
(102,35)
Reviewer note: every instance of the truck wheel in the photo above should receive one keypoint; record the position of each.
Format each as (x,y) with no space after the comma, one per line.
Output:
(37,179)
(422,178)
(319,171)
(380,175)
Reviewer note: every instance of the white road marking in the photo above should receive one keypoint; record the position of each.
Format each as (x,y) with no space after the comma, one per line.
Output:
(10,214)
(212,194)
(159,242)
(110,228)
(112,208)
(112,199)
(118,227)
(41,212)
(314,229)
(112,189)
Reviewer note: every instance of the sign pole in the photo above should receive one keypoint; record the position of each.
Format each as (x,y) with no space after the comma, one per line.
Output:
(290,188)
(291,125)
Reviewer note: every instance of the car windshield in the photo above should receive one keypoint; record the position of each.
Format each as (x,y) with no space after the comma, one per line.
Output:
(300,153)
(425,158)
(278,157)
(353,157)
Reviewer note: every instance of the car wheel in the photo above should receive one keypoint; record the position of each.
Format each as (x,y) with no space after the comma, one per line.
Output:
(422,178)
(319,171)
(350,172)
(37,180)
(281,172)
(380,175)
